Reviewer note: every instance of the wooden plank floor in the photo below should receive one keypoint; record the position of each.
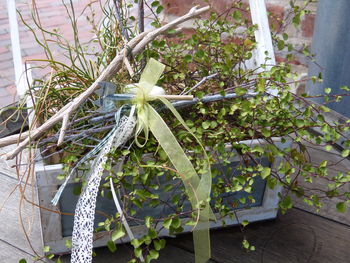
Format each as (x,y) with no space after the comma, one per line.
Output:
(336,164)
(13,243)
(296,237)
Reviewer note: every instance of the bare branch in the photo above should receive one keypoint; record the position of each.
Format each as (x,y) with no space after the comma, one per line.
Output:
(12,139)
(136,44)
(120,20)
(63,129)
(141,14)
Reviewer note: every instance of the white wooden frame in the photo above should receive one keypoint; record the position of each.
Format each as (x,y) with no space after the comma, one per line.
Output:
(16,48)
(262,35)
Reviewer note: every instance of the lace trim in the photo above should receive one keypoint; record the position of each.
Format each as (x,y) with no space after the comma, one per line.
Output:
(82,237)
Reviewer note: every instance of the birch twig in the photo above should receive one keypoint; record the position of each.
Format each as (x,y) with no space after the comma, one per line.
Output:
(136,44)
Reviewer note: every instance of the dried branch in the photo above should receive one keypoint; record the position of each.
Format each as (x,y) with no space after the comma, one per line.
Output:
(12,139)
(141,14)
(201,82)
(120,20)
(136,44)
(65,123)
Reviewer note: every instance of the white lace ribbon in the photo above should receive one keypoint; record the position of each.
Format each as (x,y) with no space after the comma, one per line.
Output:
(82,237)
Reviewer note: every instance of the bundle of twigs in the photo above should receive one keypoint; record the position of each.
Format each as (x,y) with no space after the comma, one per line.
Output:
(133,47)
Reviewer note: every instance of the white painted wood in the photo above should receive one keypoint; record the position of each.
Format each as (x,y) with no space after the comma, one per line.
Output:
(263,34)
(16,48)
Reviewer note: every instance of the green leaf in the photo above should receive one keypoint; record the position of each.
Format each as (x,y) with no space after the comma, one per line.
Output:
(135,242)
(118,233)
(138,252)
(46,249)
(286,203)
(68,243)
(22,261)
(272,182)
(111,246)
(345,153)
(206,125)
(148,221)
(159,9)
(245,243)
(341,207)
(152,233)
(266,132)
(299,123)
(245,223)
(153,254)
(155,3)
(327,90)
(323,164)
(237,15)
(345,88)
(188,58)
(159,244)
(167,223)
(265,172)
(200,53)
(240,91)
(328,147)
(176,223)
(280,44)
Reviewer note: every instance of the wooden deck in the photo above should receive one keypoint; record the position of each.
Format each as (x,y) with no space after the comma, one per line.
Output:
(296,237)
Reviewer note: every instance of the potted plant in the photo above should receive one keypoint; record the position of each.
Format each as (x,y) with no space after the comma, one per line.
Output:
(234,124)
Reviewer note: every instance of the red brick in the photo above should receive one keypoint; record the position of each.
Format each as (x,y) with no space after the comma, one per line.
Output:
(180,7)
(280,59)
(11,90)
(276,16)
(6,100)
(6,65)
(307,25)
(4,49)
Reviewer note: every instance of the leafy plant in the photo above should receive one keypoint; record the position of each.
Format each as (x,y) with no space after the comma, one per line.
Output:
(211,60)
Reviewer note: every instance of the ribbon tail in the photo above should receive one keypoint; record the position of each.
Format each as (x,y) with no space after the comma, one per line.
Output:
(90,154)
(82,236)
(190,179)
(122,216)
(204,186)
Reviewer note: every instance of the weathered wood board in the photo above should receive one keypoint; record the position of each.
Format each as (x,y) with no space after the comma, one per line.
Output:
(13,243)
(296,237)
(337,164)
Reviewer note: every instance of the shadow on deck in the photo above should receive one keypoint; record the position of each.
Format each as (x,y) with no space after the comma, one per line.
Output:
(296,237)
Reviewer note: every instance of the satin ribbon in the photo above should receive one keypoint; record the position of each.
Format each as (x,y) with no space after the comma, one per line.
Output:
(148,119)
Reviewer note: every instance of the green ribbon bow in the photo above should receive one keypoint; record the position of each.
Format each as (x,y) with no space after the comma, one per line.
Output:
(198,188)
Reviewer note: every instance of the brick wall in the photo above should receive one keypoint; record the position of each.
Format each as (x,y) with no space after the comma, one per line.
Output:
(53,16)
